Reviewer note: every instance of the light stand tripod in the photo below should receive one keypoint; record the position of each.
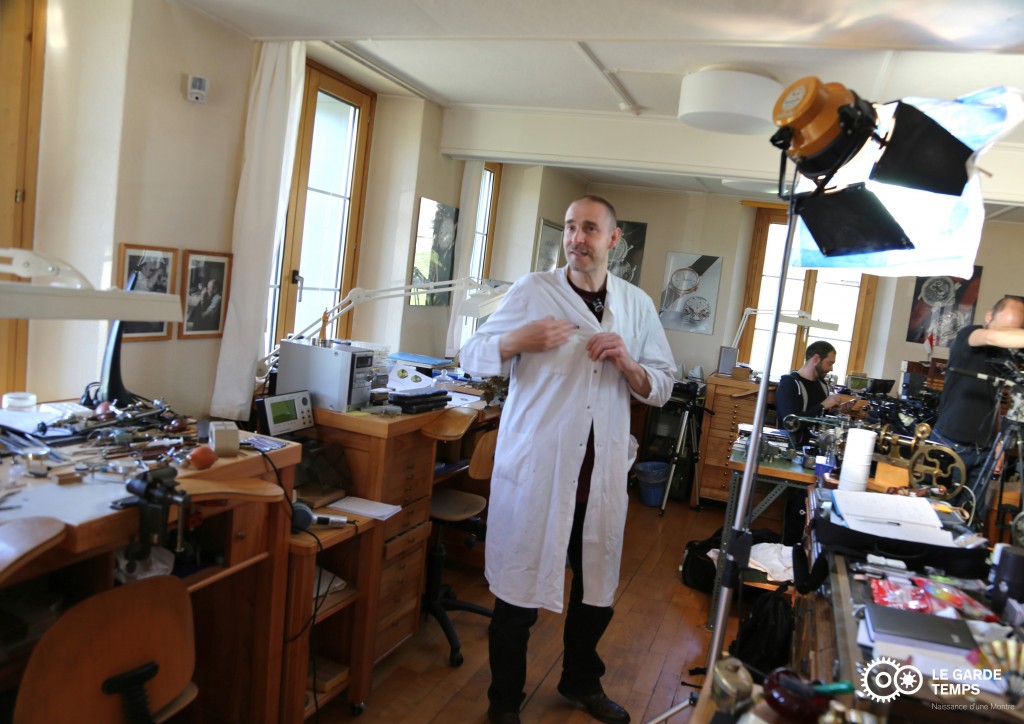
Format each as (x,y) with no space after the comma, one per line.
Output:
(733,561)
(687,435)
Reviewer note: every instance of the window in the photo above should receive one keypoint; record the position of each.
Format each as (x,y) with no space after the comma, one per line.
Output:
(314,264)
(480,259)
(830,295)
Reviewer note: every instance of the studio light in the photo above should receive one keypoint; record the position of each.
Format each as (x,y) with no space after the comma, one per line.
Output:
(889,188)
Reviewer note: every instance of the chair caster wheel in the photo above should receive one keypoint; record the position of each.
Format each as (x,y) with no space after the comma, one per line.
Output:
(455,659)
(357,709)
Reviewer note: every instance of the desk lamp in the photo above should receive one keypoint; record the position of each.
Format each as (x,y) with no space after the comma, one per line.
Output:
(484,296)
(890,189)
(61,292)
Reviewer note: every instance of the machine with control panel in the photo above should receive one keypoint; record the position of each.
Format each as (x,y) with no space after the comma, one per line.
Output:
(338,376)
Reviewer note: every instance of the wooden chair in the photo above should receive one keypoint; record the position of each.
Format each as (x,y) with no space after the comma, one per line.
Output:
(124,655)
(456,508)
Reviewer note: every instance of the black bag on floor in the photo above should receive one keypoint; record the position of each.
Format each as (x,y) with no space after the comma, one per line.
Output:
(764,636)
(699,569)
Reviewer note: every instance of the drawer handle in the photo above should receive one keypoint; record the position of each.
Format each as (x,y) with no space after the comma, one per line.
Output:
(240,535)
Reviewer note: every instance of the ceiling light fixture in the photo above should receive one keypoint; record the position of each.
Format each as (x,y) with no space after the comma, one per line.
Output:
(728,101)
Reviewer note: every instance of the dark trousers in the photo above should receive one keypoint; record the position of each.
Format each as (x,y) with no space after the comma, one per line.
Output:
(509,633)
(974,458)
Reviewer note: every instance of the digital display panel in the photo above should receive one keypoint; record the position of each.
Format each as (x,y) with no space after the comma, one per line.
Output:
(282,411)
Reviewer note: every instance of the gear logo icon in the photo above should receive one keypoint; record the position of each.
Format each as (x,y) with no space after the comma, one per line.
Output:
(884,679)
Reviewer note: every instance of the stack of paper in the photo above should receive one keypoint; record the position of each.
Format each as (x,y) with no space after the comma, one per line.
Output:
(364,507)
(891,516)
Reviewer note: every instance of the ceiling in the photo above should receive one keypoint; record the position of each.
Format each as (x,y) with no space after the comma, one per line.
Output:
(628,57)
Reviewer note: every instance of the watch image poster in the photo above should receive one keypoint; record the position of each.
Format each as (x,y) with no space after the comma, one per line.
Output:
(689,294)
(942,306)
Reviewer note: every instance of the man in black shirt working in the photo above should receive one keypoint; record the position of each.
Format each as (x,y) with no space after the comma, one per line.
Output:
(969,407)
(805,393)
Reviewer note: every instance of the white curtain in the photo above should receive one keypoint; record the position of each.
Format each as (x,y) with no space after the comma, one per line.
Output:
(271,130)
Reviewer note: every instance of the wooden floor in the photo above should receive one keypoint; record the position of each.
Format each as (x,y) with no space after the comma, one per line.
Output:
(656,636)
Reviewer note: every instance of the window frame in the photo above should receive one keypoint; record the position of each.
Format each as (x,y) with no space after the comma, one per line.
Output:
(766,215)
(22,51)
(319,77)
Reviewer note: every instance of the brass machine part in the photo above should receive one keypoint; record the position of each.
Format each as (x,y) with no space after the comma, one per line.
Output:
(928,464)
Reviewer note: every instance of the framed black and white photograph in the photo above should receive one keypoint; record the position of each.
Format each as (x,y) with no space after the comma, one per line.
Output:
(155,268)
(434,257)
(548,252)
(206,281)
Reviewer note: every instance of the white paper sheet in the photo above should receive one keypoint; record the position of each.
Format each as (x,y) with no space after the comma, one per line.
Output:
(368,508)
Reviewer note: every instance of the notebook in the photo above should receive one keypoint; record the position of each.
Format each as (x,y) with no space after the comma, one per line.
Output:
(917,629)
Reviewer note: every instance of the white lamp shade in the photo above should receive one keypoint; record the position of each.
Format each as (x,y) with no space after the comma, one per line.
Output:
(728,101)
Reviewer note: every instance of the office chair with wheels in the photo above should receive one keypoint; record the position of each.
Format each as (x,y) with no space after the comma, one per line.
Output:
(124,655)
(461,510)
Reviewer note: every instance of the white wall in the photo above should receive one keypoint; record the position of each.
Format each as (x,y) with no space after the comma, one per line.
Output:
(389,218)
(1001,257)
(713,225)
(515,226)
(180,164)
(79,147)
(439,178)
(129,160)
(405,164)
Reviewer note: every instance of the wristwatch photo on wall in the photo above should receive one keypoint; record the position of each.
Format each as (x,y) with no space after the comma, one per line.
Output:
(686,280)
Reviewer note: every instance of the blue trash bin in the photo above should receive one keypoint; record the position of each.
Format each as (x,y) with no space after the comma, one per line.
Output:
(652,477)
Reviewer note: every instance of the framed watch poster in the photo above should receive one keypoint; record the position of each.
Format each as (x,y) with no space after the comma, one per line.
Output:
(942,306)
(690,292)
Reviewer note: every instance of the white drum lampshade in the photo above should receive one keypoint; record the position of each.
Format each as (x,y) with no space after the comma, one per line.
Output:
(728,101)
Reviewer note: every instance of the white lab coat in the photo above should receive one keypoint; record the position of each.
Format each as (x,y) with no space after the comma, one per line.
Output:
(553,399)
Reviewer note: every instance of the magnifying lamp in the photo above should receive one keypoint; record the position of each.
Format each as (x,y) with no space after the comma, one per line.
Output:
(890,189)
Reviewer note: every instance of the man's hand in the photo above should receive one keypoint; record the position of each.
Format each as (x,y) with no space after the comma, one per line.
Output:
(541,336)
(608,346)
(834,403)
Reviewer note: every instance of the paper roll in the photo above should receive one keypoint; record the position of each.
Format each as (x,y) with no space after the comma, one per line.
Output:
(854,475)
(858,438)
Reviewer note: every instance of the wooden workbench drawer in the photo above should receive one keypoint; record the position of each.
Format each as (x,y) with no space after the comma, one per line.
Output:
(714,483)
(718,451)
(408,517)
(408,470)
(396,628)
(409,541)
(399,575)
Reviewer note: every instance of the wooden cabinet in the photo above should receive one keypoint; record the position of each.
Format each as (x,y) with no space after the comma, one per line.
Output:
(732,402)
(332,629)
(391,461)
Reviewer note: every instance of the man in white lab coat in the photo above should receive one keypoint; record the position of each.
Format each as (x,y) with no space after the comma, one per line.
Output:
(576,343)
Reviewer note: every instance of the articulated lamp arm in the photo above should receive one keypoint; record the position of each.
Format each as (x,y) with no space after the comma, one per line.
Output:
(492,291)
(799,317)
